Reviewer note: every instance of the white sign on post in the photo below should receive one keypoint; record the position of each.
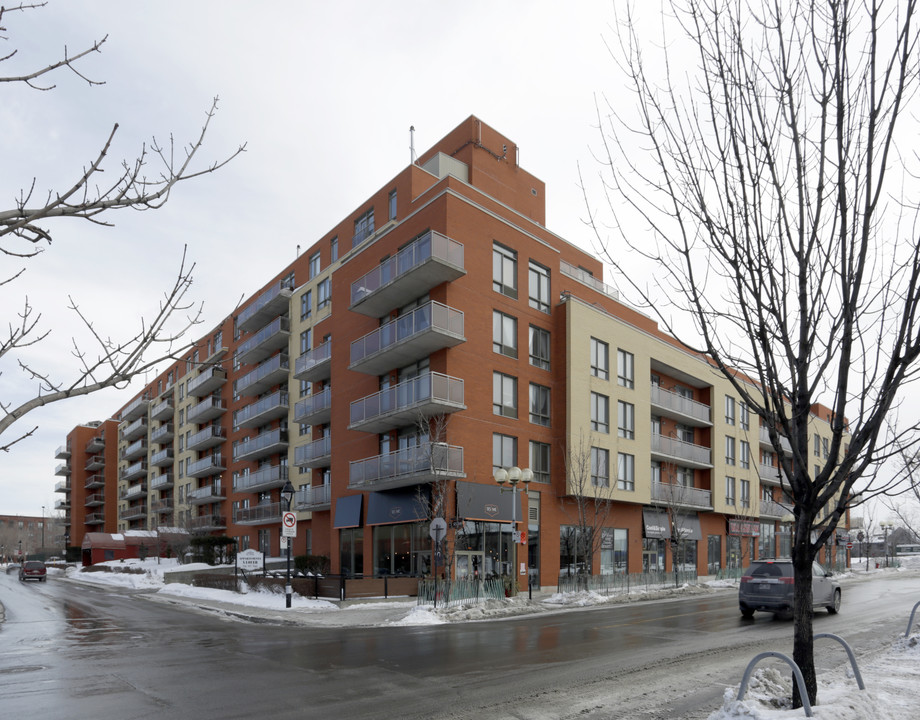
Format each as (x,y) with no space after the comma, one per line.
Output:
(289,525)
(250,560)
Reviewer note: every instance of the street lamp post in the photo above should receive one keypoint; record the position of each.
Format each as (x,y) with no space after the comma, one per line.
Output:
(287,495)
(886,526)
(43,531)
(513,476)
(66,544)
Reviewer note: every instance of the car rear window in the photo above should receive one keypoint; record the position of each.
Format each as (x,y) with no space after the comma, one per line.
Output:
(34,566)
(767,570)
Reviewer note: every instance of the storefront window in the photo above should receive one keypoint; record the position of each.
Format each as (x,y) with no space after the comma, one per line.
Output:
(351,551)
(652,555)
(714,554)
(614,551)
(573,551)
(685,555)
(402,549)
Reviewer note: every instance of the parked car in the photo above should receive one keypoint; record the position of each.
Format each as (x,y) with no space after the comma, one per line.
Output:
(12,568)
(33,570)
(769,586)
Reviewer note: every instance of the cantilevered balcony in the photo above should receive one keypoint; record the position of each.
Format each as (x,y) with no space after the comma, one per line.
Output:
(262,411)
(94,481)
(95,445)
(134,512)
(207,495)
(94,499)
(134,429)
(63,504)
(772,509)
(163,434)
(208,409)
(135,409)
(683,409)
(211,465)
(262,445)
(313,497)
(63,469)
(209,379)
(162,481)
(163,410)
(768,445)
(95,518)
(265,478)
(211,436)
(272,303)
(408,466)
(316,364)
(134,491)
(403,404)
(207,523)
(62,453)
(62,487)
(134,451)
(267,374)
(163,458)
(315,454)
(268,340)
(315,409)
(266,514)
(679,496)
(134,472)
(769,474)
(672,450)
(410,337)
(162,506)
(422,265)
(95,462)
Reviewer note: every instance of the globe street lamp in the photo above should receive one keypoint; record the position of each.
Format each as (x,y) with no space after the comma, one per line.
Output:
(513,476)
(287,495)
(67,543)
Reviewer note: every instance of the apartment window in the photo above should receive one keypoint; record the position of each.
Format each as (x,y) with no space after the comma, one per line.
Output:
(334,249)
(306,305)
(391,204)
(539,347)
(729,450)
(626,420)
(656,471)
(539,287)
(600,467)
(626,471)
(504,270)
(364,226)
(539,405)
(504,451)
(504,334)
(600,412)
(625,369)
(817,445)
(305,341)
(746,493)
(685,433)
(684,476)
(744,416)
(745,454)
(825,449)
(504,395)
(729,490)
(314,265)
(600,357)
(539,461)
(324,293)
(729,410)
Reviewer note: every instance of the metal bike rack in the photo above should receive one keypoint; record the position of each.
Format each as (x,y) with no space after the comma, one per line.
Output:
(796,672)
(911,621)
(856,673)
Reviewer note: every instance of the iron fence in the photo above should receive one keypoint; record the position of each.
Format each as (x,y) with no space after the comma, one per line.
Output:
(453,593)
(624,583)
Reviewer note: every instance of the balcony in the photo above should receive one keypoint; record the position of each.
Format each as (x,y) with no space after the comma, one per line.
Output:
(95,462)
(262,411)
(134,491)
(315,454)
(211,436)
(163,434)
(95,500)
(267,341)
(211,465)
(672,450)
(315,409)
(681,497)
(135,512)
(266,514)
(163,458)
(407,466)
(770,475)
(772,509)
(95,518)
(423,264)
(161,506)
(207,523)
(272,303)
(273,371)
(134,430)
(316,364)
(209,379)
(94,481)
(208,409)
(163,481)
(262,445)
(135,450)
(207,495)
(408,338)
(678,407)
(62,453)
(266,478)
(314,497)
(163,410)
(62,504)
(135,409)
(62,487)
(63,469)
(95,445)
(134,472)
(407,402)
(765,441)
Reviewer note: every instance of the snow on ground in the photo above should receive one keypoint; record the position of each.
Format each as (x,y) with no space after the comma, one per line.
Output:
(890,675)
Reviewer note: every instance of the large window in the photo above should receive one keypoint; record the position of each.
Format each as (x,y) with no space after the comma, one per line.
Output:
(600,412)
(539,287)
(391,205)
(626,471)
(306,304)
(746,493)
(334,249)
(729,490)
(729,410)
(744,416)
(625,369)
(539,461)
(314,265)
(504,334)
(539,404)
(324,293)
(626,419)
(504,451)
(504,270)
(600,467)
(614,551)
(600,359)
(364,226)
(539,347)
(729,450)
(745,454)
(504,395)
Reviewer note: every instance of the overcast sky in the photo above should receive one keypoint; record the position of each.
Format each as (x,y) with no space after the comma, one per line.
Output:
(322,93)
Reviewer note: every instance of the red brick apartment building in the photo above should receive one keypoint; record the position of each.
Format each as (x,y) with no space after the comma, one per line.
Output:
(438,333)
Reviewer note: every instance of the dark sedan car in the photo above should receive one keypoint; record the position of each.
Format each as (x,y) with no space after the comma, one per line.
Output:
(769,585)
(33,570)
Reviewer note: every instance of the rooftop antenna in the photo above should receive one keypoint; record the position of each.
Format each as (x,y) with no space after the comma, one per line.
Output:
(298,250)
(412,144)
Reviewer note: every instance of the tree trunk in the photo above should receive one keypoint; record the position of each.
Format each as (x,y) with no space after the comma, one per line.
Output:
(803,634)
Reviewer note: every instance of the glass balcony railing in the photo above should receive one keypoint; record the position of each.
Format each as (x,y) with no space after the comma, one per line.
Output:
(685,452)
(315,454)
(271,303)
(675,495)
(262,411)
(422,396)
(673,405)
(206,495)
(258,515)
(314,497)
(208,409)
(267,374)
(133,430)
(209,379)
(407,466)
(211,465)
(265,478)
(262,445)
(315,364)
(268,340)
(211,436)
(315,409)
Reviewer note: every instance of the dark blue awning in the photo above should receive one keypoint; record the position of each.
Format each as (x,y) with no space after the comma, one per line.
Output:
(348,512)
(403,506)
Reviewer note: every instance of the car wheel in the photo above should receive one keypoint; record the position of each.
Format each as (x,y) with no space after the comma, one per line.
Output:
(835,608)
(747,613)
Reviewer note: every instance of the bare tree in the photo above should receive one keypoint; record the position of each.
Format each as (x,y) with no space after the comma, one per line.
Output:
(438,504)
(773,182)
(26,230)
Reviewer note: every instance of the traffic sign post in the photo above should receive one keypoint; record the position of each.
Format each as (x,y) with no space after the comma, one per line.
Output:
(438,531)
(289,525)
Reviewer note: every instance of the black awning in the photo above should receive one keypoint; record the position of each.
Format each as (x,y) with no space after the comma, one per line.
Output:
(488,503)
(403,506)
(688,527)
(655,524)
(348,512)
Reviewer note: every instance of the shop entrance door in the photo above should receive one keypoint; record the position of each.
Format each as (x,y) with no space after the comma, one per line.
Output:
(469,565)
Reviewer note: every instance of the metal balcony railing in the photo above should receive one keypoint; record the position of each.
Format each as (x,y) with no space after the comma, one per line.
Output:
(209,379)
(686,453)
(314,409)
(407,466)
(313,497)
(266,443)
(262,479)
(269,339)
(269,304)
(262,411)
(681,496)
(672,404)
(418,397)
(208,437)
(315,364)
(210,465)
(258,515)
(273,371)
(315,454)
